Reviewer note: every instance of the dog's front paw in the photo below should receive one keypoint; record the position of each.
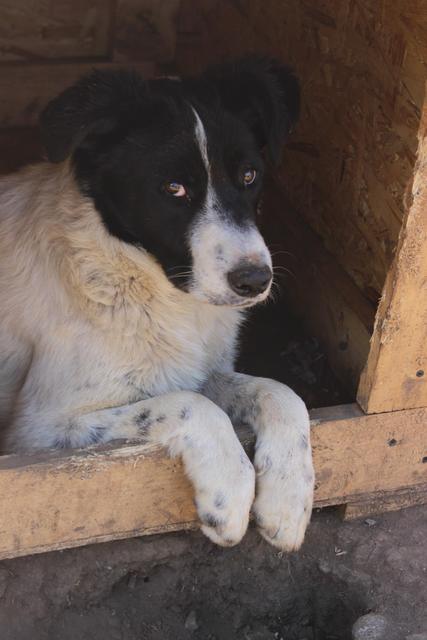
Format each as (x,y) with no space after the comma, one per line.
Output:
(224,504)
(284,493)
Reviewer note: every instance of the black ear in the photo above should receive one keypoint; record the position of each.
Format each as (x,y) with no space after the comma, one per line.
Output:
(94,105)
(264,94)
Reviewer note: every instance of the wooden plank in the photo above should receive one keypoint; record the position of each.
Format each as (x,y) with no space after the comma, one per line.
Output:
(326,299)
(54,500)
(362,65)
(26,89)
(385,502)
(34,30)
(395,376)
(145,30)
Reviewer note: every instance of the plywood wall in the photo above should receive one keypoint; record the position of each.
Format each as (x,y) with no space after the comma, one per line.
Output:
(34,30)
(145,30)
(46,45)
(119,30)
(362,65)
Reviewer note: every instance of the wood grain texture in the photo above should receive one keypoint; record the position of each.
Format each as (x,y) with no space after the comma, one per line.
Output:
(145,30)
(362,65)
(55,500)
(395,376)
(34,30)
(319,291)
(26,89)
(385,502)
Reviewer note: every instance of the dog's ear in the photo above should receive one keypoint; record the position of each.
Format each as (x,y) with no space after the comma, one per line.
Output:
(264,94)
(91,107)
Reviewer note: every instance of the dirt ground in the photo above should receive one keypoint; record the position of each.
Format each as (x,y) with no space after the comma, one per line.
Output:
(182,587)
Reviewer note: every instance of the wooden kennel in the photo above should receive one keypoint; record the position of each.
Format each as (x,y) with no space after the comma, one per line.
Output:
(355,173)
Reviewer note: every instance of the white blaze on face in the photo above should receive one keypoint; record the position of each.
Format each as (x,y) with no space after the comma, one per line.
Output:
(218,245)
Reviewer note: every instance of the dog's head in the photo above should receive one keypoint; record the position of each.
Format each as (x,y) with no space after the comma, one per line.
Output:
(175,166)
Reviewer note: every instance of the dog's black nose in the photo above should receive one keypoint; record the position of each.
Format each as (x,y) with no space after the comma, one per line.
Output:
(249,281)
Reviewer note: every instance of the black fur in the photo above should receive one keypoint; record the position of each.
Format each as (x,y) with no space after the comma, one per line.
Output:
(128,137)
(143,420)
(264,94)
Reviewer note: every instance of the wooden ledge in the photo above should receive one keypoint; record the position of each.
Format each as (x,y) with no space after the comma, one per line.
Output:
(59,499)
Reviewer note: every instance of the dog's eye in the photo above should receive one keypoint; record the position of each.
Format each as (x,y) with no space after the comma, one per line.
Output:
(175,189)
(249,177)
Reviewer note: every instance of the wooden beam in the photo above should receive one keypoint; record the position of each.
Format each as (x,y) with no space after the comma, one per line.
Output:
(26,88)
(35,30)
(395,376)
(384,502)
(56,499)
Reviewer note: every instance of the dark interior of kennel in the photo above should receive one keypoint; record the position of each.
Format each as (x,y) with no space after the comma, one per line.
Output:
(332,211)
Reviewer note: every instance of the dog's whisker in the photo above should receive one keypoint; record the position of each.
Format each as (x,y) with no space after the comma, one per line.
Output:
(272,295)
(282,252)
(275,293)
(286,272)
(179,266)
(180,275)
(281,268)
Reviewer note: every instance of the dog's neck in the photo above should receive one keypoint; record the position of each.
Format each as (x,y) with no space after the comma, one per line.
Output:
(111,280)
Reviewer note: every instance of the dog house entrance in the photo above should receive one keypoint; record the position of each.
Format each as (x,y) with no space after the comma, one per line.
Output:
(331,216)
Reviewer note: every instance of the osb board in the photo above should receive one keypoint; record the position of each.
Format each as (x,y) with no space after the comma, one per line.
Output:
(26,89)
(395,376)
(362,65)
(34,30)
(56,500)
(331,306)
(145,30)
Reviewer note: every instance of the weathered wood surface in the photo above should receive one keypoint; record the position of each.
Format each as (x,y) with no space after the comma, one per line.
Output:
(34,30)
(362,65)
(395,376)
(26,89)
(55,500)
(145,30)
(372,505)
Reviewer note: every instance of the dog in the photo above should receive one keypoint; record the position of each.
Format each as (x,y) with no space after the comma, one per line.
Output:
(127,260)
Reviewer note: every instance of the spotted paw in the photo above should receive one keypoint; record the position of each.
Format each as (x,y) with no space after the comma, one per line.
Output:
(224,510)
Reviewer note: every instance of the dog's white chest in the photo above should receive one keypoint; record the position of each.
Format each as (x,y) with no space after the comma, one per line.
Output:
(169,349)
(180,350)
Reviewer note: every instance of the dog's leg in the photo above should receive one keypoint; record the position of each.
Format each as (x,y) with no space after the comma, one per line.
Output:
(283,461)
(191,426)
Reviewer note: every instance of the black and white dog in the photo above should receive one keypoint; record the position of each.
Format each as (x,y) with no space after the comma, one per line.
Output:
(126,263)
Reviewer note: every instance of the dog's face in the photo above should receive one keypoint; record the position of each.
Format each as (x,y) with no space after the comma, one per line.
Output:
(175,167)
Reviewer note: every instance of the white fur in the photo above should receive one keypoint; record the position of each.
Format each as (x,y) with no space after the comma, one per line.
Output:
(97,344)
(283,461)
